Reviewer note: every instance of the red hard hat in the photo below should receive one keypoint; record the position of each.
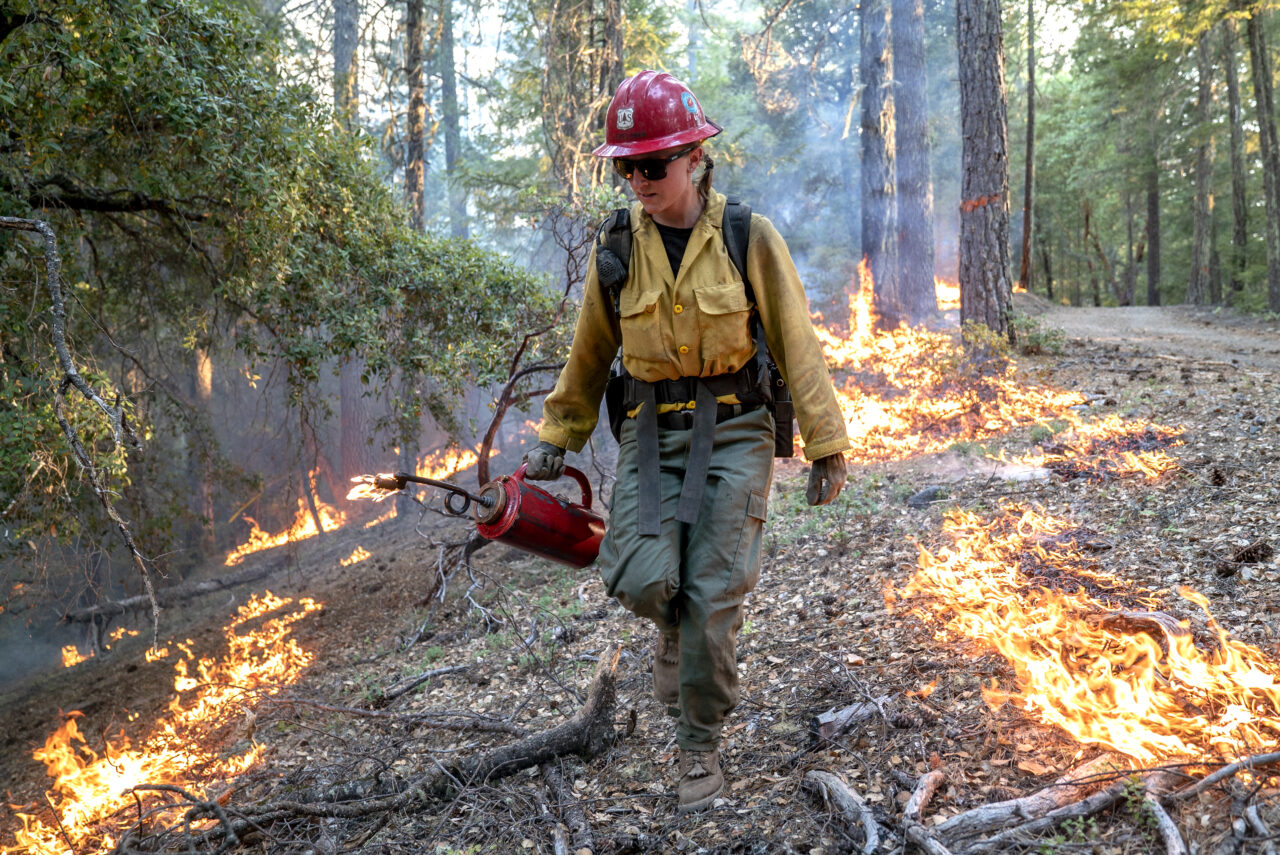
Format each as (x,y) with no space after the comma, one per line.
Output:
(652,111)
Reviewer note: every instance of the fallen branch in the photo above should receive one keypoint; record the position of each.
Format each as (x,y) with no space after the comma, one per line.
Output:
(1260,828)
(1225,772)
(169,596)
(1099,801)
(580,839)
(853,810)
(912,827)
(833,723)
(1173,843)
(408,685)
(987,818)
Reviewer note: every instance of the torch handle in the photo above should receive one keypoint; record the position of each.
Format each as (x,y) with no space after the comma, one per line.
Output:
(576,474)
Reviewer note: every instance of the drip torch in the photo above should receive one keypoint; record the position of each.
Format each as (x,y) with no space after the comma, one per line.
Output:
(519,514)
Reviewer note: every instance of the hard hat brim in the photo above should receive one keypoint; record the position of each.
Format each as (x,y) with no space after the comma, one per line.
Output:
(647,146)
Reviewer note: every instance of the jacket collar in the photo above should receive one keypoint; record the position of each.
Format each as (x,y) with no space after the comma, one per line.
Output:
(708,225)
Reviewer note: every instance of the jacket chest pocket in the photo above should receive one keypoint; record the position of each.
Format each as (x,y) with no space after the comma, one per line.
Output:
(724,315)
(641,325)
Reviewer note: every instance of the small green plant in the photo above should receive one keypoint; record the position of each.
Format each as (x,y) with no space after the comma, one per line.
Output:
(1040,433)
(1034,337)
(432,655)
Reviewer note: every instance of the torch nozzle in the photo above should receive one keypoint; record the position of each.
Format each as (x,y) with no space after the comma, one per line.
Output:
(390,482)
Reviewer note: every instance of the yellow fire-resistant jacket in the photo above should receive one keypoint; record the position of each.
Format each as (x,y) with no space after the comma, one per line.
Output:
(695,324)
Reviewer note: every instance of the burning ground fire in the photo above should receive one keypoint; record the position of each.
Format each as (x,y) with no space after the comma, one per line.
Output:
(90,789)
(910,391)
(303,527)
(1087,654)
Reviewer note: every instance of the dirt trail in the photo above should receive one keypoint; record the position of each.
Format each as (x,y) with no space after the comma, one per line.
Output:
(1185,332)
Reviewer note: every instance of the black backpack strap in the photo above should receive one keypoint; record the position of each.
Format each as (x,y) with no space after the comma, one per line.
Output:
(613,259)
(736,228)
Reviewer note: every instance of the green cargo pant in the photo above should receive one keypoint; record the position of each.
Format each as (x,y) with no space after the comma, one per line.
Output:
(692,578)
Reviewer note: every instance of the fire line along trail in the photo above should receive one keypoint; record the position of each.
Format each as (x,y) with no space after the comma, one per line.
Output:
(91,802)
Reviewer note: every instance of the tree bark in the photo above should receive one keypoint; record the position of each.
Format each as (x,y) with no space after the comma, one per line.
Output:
(986,293)
(1044,258)
(204,469)
(919,297)
(452,124)
(415,163)
(1029,171)
(1201,244)
(878,203)
(1239,190)
(1153,230)
(346,38)
(1260,65)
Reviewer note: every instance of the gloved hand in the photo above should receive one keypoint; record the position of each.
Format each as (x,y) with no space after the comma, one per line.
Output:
(544,463)
(826,479)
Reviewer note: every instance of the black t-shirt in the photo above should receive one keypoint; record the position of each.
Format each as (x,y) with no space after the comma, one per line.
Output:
(674,241)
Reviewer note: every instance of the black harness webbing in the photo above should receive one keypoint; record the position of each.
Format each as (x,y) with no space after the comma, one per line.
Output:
(752,387)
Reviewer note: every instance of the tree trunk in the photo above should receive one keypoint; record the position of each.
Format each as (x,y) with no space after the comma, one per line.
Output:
(1044,258)
(1201,244)
(1029,172)
(346,38)
(353,426)
(986,293)
(916,288)
(204,489)
(878,203)
(1153,230)
(695,40)
(415,165)
(1260,65)
(1239,190)
(452,126)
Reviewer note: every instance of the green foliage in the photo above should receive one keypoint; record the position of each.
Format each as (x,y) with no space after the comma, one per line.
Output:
(202,201)
(1034,337)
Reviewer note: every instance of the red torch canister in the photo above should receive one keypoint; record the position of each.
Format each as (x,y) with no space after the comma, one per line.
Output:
(530,518)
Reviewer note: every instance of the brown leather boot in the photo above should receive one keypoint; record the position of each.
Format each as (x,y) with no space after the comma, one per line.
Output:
(666,670)
(700,779)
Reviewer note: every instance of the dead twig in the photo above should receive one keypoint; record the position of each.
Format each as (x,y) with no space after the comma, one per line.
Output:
(408,685)
(853,810)
(913,828)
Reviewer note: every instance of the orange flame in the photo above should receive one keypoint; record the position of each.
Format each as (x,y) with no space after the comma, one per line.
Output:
(303,527)
(89,788)
(948,294)
(442,464)
(1092,660)
(912,390)
(72,657)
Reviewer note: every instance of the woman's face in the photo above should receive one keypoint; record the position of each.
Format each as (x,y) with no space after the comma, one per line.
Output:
(672,200)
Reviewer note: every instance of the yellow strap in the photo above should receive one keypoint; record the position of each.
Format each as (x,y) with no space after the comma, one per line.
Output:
(684,405)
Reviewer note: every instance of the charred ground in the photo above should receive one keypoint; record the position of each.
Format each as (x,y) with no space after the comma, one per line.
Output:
(820,635)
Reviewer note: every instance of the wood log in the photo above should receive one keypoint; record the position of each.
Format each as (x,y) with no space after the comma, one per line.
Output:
(1068,788)
(1260,828)
(853,810)
(833,723)
(168,596)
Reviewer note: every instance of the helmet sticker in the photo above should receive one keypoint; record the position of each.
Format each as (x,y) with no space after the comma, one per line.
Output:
(690,104)
(626,118)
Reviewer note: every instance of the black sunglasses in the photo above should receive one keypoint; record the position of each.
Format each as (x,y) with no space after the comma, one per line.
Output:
(652,168)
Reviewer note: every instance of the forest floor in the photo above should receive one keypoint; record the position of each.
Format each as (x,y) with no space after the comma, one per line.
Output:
(831,624)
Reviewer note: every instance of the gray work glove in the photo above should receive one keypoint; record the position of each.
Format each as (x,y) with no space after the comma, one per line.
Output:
(826,479)
(544,463)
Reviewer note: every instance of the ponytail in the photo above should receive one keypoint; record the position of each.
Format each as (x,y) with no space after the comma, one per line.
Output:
(704,183)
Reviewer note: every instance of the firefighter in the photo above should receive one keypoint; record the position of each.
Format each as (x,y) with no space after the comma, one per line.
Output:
(696,440)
